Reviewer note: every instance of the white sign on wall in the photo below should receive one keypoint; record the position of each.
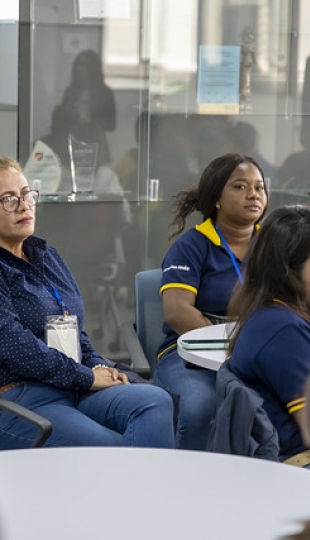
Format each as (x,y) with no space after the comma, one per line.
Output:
(9,11)
(103,9)
(218,79)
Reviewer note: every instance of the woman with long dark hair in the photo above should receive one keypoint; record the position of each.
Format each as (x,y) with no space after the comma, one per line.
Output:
(88,104)
(270,347)
(87,113)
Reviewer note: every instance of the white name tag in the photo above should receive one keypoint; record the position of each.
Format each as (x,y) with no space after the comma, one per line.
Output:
(61,333)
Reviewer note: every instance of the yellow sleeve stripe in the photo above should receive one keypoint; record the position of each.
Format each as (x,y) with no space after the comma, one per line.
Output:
(296,405)
(291,410)
(178,286)
(296,401)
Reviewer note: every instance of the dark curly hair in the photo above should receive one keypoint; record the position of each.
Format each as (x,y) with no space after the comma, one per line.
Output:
(203,198)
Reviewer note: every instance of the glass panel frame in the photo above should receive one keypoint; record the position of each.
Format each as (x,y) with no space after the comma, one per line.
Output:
(160,139)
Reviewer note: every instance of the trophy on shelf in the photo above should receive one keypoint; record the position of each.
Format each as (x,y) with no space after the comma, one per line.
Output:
(83,158)
(247,60)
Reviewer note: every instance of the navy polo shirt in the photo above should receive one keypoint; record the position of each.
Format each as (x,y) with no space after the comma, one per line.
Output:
(25,301)
(197,261)
(272,355)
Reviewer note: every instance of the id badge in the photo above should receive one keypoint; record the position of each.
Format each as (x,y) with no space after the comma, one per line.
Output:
(61,333)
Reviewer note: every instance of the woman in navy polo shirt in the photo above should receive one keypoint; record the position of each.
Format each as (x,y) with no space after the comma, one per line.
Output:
(51,367)
(270,349)
(200,271)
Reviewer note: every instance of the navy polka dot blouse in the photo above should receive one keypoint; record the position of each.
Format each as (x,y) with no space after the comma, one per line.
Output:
(25,301)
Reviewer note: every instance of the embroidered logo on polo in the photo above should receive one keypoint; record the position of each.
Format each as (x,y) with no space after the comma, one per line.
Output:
(177,267)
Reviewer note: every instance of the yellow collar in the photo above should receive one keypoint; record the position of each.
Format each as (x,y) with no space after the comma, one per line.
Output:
(207,229)
(279,301)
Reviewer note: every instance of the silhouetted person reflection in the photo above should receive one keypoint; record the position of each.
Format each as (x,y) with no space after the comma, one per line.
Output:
(294,173)
(87,110)
(244,138)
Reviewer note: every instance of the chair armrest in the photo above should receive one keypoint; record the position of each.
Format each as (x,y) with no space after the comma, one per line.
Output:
(44,426)
(138,359)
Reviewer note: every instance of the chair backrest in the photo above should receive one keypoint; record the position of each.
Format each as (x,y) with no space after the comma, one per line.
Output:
(149,313)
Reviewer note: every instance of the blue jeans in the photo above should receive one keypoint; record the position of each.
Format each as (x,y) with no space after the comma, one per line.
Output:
(194,390)
(127,415)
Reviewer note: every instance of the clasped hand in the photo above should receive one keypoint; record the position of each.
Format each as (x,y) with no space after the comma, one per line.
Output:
(105,377)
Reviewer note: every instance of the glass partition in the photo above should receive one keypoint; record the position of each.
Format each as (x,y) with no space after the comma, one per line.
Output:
(9,77)
(123,104)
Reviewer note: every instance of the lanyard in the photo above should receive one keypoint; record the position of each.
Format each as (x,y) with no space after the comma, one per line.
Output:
(230,253)
(52,290)
(55,292)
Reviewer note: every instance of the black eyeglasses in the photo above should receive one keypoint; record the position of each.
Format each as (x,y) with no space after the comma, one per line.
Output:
(11,203)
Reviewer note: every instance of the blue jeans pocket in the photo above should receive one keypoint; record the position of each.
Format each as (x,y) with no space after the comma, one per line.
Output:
(15,394)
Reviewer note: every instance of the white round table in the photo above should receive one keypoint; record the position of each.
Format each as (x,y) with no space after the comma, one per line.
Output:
(147,494)
(211,359)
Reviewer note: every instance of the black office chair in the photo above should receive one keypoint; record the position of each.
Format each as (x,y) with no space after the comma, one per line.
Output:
(144,336)
(43,425)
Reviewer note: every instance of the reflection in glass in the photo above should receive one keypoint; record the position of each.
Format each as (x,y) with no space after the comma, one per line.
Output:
(150,127)
(83,160)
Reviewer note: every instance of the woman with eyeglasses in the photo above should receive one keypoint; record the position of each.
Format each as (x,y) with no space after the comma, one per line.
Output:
(47,362)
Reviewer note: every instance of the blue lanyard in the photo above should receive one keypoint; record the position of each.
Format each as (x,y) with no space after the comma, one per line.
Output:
(55,292)
(51,289)
(230,253)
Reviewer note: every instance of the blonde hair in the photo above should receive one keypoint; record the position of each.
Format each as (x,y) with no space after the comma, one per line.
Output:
(7,163)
